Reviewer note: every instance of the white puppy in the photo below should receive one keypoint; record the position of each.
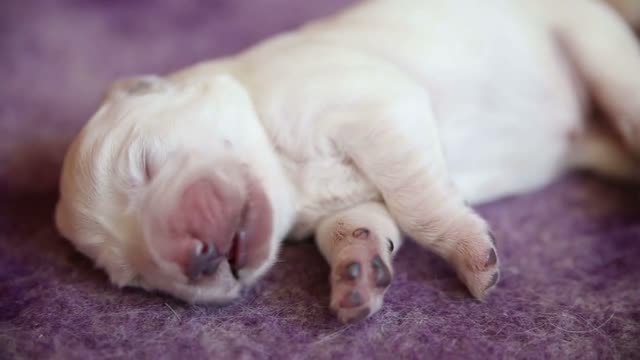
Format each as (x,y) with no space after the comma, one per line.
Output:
(387,119)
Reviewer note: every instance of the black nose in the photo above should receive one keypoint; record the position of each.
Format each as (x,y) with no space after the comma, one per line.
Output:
(204,262)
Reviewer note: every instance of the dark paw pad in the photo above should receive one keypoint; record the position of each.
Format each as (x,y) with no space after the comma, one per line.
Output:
(360,277)
(353,299)
(352,271)
(381,272)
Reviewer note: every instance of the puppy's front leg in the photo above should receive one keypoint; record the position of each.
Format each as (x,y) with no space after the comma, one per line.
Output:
(359,244)
(396,146)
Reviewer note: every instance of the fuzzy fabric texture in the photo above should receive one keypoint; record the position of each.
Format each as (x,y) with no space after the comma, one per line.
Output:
(570,253)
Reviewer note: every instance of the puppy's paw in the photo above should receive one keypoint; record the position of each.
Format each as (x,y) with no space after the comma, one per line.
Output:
(360,275)
(476,261)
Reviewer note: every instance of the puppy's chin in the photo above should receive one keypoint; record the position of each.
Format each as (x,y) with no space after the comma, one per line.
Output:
(221,288)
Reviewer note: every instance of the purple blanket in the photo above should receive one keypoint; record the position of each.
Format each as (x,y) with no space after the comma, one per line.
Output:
(570,253)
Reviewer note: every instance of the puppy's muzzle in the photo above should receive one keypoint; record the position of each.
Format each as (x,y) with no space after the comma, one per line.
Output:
(211,221)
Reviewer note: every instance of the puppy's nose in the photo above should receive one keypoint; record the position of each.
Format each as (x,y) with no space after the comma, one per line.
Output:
(204,261)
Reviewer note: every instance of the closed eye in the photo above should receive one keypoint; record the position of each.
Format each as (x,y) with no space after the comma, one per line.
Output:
(390,245)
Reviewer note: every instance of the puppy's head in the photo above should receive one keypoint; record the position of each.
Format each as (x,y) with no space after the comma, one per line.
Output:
(175,188)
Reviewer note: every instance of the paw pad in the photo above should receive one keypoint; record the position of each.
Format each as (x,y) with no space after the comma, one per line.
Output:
(352,271)
(353,299)
(381,272)
(360,277)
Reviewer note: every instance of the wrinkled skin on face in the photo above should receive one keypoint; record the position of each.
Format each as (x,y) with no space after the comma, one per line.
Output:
(172,187)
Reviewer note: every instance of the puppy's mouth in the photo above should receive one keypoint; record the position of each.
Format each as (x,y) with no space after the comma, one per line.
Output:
(238,253)
(233,239)
(247,248)
(206,266)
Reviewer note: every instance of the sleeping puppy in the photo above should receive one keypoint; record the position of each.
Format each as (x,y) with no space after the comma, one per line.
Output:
(386,120)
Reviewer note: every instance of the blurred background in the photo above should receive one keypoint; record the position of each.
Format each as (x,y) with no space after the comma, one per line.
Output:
(57,57)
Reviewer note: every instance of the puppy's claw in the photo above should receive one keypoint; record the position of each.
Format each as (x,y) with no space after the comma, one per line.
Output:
(492,259)
(494,280)
(493,239)
(479,267)
(481,284)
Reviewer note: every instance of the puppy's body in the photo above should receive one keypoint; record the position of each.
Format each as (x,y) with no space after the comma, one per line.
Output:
(384,119)
(504,96)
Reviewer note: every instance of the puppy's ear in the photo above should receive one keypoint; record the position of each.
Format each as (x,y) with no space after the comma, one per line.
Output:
(138,85)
